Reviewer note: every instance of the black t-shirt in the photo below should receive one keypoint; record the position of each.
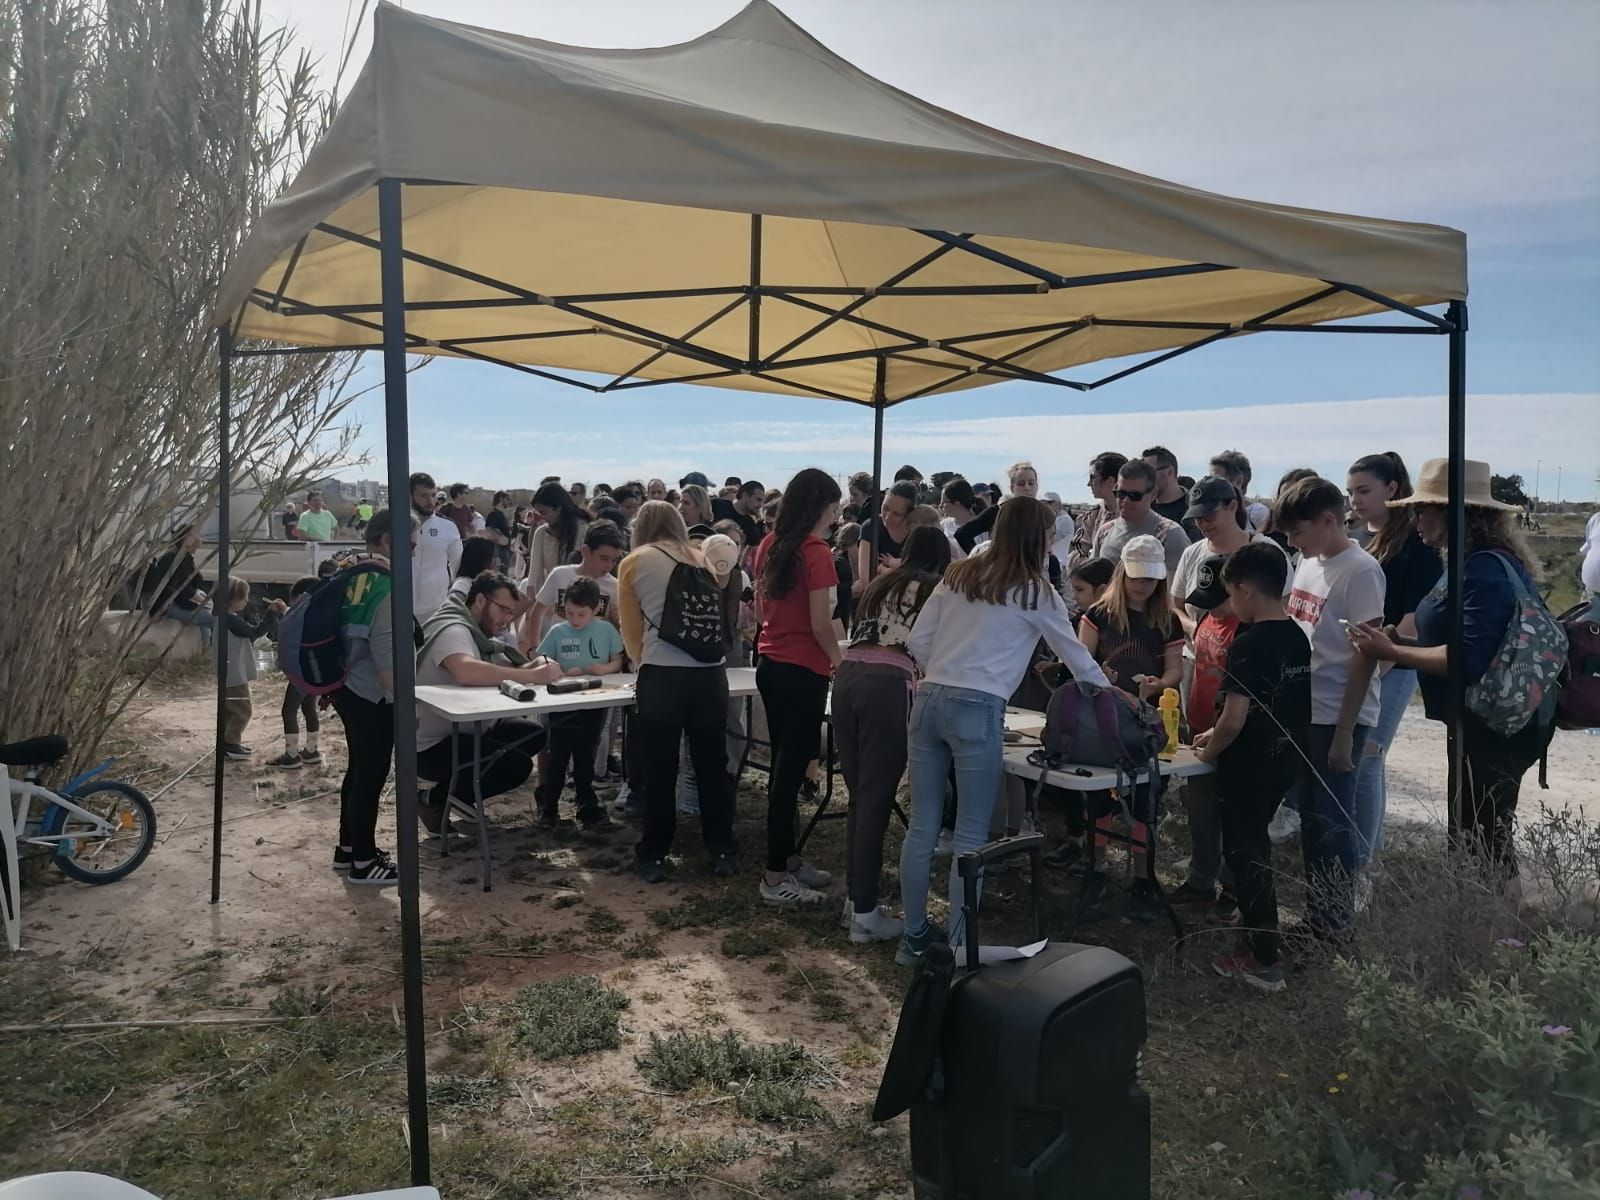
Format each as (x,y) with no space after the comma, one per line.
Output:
(1408,577)
(844,609)
(290,521)
(1174,510)
(496,520)
(886,544)
(1140,651)
(748,525)
(1269,662)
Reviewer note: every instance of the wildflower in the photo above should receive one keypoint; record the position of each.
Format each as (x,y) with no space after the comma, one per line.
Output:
(1469,1192)
(1510,943)
(1283,1074)
(1388,1178)
(1342,1077)
(1333,1091)
(1359,1194)
(1557,1030)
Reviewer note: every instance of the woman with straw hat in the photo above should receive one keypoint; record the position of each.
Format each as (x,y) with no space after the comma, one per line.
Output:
(1498,588)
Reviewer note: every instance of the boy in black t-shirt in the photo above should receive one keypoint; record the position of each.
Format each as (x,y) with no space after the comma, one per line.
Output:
(1258,747)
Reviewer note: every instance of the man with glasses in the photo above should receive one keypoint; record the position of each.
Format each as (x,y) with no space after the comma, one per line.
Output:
(1135,495)
(1172,495)
(460,646)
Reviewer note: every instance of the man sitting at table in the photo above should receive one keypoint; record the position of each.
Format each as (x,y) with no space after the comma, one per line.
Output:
(460,646)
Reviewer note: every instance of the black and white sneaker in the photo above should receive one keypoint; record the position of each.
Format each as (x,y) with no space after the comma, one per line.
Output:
(341,859)
(288,760)
(310,757)
(236,752)
(380,872)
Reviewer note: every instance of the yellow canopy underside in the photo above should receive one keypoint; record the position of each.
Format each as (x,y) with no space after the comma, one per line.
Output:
(564,246)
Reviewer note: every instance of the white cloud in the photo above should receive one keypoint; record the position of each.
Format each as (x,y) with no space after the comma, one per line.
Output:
(1516,433)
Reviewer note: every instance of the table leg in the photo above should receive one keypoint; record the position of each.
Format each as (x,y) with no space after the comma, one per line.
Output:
(449,791)
(749,730)
(477,802)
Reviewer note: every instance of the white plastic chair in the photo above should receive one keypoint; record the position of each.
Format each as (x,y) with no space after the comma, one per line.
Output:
(71,1185)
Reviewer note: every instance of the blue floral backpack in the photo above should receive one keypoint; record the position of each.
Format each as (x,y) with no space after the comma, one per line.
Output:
(1521,681)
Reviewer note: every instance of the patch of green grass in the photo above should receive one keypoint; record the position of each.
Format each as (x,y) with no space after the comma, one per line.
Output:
(778,1102)
(465,1093)
(755,942)
(557,1018)
(645,944)
(602,922)
(566,900)
(698,911)
(480,1163)
(796,1167)
(684,1060)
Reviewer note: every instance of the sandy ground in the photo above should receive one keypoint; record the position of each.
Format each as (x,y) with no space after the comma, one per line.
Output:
(286,920)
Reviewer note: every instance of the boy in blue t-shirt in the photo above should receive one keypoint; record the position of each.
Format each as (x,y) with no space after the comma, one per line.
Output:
(582,645)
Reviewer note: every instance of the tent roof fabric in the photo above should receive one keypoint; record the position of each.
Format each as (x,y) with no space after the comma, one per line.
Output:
(568,188)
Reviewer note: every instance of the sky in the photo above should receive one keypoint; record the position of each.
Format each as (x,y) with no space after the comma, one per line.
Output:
(1484,116)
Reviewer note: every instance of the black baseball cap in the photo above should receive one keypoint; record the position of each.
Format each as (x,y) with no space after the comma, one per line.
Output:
(1208,592)
(696,477)
(1208,495)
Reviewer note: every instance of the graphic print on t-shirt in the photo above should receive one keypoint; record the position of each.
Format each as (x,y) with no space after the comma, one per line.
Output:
(1305,606)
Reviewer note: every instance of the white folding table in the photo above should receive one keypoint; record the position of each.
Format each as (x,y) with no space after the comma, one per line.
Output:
(480,707)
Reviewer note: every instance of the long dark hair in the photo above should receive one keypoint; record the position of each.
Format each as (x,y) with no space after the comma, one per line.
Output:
(1015,562)
(1395,531)
(568,516)
(805,499)
(924,558)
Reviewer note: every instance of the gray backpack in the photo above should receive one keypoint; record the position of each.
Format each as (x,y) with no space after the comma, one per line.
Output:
(1091,726)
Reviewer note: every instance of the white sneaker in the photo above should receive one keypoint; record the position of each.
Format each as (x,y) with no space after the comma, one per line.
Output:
(875,926)
(947,843)
(1285,824)
(808,876)
(787,892)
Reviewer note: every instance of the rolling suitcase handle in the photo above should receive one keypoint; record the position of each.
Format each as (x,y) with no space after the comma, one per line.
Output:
(971,865)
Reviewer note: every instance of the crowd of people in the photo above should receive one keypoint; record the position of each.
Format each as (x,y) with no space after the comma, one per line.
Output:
(1296,632)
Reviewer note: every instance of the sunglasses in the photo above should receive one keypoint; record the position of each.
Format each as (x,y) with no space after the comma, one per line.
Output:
(1133,497)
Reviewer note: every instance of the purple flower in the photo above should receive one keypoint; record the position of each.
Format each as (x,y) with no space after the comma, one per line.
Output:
(1469,1192)
(1388,1178)
(1557,1030)
(1359,1194)
(1511,943)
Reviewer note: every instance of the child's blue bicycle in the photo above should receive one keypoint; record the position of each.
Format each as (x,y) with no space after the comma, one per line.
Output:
(99,830)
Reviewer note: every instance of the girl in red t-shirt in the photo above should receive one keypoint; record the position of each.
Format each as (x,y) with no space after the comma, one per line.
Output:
(799,647)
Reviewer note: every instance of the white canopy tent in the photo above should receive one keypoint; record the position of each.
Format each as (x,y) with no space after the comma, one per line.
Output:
(749,210)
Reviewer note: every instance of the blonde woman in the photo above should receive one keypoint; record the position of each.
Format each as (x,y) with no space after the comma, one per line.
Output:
(694,505)
(677,696)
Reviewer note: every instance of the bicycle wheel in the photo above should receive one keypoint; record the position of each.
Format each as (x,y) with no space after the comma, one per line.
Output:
(89,855)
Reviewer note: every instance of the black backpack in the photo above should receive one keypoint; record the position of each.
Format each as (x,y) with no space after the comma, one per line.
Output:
(691,615)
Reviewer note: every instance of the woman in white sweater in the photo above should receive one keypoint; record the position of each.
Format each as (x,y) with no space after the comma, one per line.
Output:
(973,640)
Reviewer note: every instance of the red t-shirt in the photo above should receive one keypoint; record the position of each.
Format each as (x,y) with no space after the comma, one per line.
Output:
(786,634)
(1211,641)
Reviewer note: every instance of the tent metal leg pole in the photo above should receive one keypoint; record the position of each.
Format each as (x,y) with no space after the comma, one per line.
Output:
(405,705)
(219,594)
(1456,548)
(877,463)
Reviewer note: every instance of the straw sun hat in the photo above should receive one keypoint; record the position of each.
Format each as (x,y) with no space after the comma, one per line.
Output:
(1433,486)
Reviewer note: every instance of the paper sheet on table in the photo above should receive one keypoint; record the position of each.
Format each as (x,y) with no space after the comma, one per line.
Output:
(999,954)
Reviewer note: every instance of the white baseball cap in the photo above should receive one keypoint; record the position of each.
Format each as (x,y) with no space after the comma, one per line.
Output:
(722,556)
(1144,557)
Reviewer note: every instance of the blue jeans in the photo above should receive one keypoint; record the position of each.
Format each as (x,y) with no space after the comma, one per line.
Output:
(1372,797)
(201,618)
(1328,832)
(950,726)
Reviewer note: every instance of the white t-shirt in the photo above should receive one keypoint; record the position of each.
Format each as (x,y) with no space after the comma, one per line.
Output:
(1066,528)
(433,564)
(553,595)
(432,728)
(1589,567)
(1349,587)
(1182,582)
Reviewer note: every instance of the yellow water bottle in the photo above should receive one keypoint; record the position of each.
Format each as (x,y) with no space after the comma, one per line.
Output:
(1169,718)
